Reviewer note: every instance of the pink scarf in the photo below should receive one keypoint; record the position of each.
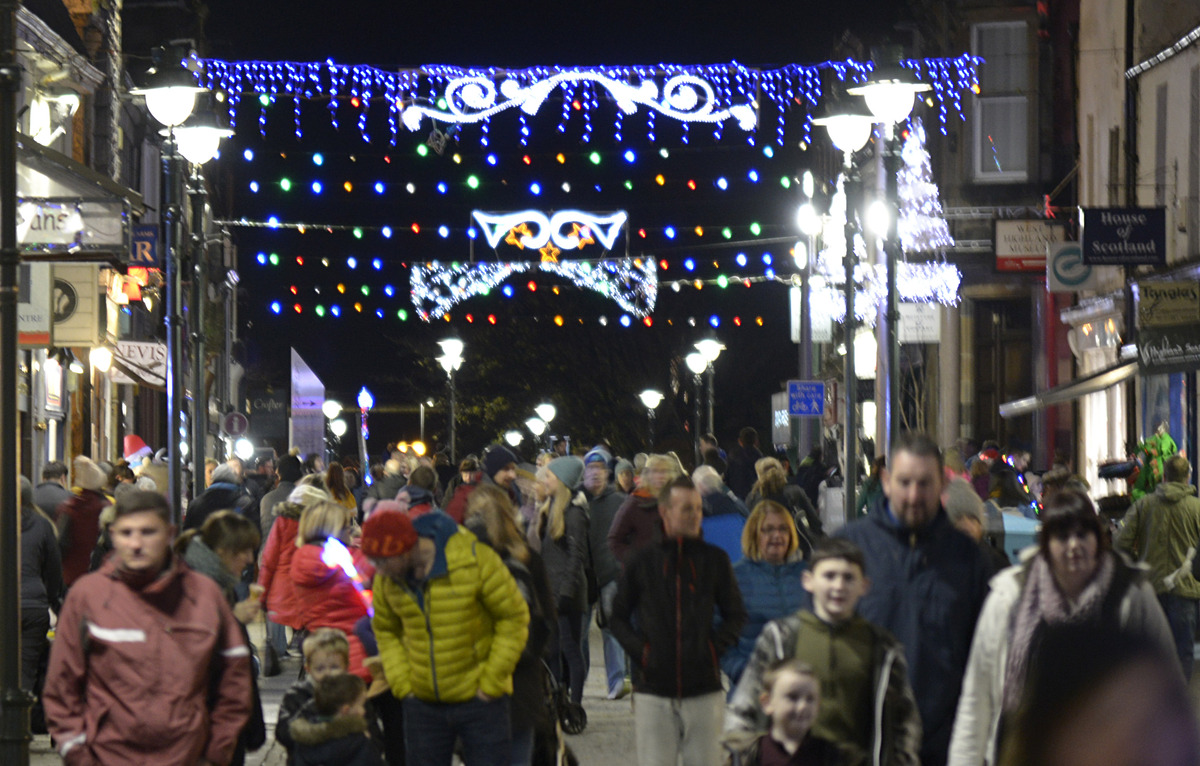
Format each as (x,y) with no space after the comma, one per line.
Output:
(1042,602)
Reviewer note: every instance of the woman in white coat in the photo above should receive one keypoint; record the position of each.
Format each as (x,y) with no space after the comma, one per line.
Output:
(1072,579)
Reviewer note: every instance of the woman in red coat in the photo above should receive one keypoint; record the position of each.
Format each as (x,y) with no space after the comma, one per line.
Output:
(275,572)
(330,592)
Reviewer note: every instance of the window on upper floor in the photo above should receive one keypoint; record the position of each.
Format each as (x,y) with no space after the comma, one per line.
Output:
(1000,115)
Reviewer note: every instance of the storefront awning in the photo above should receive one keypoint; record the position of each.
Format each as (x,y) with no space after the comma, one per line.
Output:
(1097,381)
(68,212)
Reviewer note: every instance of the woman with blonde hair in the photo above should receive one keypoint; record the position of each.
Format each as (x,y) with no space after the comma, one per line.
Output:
(561,527)
(773,485)
(328,575)
(768,577)
(637,523)
(491,516)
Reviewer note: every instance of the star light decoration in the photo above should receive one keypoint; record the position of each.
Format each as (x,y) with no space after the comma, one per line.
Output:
(631,282)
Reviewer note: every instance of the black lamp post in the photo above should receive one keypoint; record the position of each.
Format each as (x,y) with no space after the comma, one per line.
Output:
(170,93)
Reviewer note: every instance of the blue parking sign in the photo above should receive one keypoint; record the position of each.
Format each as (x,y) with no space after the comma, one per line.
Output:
(806,398)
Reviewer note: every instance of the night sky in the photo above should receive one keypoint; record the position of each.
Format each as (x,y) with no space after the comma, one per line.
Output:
(394,358)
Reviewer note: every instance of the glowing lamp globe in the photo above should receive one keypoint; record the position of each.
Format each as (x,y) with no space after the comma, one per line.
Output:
(243,448)
(199,137)
(546,411)
(696,362)
(338,427)
(365,400)
(331,409)
(101,358)
(808,219)
(890,95)
(710,349)
(170,93)
(651,398)
(513,438)
(536,426)
(848,132)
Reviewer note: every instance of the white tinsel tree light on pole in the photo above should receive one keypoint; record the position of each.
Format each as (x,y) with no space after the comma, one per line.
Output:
(922,227)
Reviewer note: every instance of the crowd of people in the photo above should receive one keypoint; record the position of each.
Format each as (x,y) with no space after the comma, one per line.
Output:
(445,610)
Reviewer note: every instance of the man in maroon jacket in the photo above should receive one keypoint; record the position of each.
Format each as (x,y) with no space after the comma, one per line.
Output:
(149,665)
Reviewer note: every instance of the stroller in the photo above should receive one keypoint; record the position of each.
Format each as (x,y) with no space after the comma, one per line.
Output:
(562,715)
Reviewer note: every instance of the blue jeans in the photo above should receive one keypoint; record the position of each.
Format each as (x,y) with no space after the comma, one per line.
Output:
(430,730)
(615,666)
(1181,616)
(277,637)
(521,753)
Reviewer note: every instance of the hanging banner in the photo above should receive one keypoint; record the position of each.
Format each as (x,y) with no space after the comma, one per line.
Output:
(1168,316)
(1163,304)
(1131,236)
(1021,245)
(34,317)
(78,303)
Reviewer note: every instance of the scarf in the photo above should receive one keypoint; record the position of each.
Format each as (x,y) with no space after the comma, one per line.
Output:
(1041,603)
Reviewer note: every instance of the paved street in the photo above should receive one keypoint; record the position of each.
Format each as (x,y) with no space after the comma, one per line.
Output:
(607,740)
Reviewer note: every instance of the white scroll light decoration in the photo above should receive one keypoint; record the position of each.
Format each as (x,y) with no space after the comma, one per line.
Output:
(685,97)
(632,283)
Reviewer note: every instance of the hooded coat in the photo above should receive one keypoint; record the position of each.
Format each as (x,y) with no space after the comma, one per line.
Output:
(78,529)
(637,525)
(460,630)
(156,674)
(327,598)
(41,564)
(275,571)
(927,590)
(339,740)
(1159,530)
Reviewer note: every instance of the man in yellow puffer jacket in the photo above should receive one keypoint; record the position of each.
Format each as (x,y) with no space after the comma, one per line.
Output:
(451,624)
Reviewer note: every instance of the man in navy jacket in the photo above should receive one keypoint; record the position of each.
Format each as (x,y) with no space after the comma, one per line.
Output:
(928,582)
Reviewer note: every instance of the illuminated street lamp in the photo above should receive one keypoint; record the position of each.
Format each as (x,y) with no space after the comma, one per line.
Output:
(331,410)
(696,362)
(890,94)
(338,427)
(710,349)
(849,125)
(536,426)
(365,403)
(650,400)
(514,438)
(170,93)
(451,359)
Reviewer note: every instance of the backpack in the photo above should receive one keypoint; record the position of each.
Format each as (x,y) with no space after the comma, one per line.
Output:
(456,506)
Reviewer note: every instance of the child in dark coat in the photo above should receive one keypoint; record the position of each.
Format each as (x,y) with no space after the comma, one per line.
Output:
(326,653)
(331,730)
(790,699)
